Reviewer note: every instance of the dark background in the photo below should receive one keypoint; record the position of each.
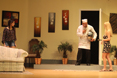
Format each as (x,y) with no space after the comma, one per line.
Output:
(93,20)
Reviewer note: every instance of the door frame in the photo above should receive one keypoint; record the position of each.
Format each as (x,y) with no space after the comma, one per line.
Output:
(100,32)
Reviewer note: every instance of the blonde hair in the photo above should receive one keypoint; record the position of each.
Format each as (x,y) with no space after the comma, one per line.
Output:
(108,28)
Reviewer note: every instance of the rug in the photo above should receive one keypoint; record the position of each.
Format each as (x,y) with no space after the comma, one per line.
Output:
(84,70)
(25,73)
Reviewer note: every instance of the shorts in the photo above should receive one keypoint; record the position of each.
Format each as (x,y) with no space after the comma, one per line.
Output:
(10,43)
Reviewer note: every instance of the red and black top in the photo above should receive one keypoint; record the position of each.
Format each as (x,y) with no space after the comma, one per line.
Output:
(9,35)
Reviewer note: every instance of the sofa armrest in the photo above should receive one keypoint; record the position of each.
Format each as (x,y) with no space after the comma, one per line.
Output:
(22,53)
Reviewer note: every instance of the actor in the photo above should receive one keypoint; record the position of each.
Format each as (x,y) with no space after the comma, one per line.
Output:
(84,43)
(107,46)
(9,35)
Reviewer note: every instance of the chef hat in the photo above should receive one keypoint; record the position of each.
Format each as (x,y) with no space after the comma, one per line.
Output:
(84,20)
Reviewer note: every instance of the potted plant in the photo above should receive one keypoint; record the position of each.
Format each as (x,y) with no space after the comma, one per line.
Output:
(114,49)
(38,48)
(64,47)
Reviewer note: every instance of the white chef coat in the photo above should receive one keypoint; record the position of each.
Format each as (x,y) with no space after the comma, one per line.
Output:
(83,41)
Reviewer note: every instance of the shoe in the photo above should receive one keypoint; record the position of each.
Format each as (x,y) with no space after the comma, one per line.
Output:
(110,70)
(77,64)
(103,70)
(88,64)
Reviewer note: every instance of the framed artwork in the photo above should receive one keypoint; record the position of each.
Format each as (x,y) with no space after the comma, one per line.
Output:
(51,22)
(7,15)
(37,26)
(113,22)
(65,19)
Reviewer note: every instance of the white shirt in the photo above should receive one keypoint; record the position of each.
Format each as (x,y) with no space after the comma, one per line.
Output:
(83,41)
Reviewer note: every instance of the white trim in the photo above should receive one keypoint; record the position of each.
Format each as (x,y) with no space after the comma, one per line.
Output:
(100,46)
(100,34)
(90,9)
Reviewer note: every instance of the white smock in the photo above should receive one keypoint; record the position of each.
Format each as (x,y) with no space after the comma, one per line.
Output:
(83,41)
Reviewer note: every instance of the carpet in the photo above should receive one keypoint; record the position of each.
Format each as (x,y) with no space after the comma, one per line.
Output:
(85,70)
(25,73)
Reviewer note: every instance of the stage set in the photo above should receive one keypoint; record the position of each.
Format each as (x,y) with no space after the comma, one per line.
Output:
(96,48)
(92,67)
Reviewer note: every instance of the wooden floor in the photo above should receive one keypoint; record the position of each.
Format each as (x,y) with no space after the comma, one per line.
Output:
(61,74)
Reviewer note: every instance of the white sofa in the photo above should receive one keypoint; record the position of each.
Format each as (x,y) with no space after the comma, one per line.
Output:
(12,59)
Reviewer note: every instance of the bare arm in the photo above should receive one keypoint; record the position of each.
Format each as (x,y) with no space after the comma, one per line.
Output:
(95,34)
(4,37)
(15,37)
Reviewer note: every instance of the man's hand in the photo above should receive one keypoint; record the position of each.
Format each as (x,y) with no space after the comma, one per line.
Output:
(84,31)
(92,40)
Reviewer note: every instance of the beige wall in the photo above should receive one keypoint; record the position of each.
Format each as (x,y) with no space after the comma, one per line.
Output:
(40,8)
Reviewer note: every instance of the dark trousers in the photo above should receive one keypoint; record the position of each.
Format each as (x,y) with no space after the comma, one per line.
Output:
(79,55)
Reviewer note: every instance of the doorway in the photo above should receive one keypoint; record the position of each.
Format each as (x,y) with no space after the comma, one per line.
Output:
(93,20)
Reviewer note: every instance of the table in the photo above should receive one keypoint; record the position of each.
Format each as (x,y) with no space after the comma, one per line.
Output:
(29,57)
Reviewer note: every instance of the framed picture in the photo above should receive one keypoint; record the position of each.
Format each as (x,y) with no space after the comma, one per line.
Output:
(65,19)
(7,15)
(37,26)
(51,22)
(113,22)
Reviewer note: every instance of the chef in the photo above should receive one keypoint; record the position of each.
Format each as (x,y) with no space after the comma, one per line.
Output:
(84,43)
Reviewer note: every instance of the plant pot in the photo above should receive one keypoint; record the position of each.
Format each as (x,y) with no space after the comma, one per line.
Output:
(64,60)
(35,60)
(38,60)
(115,61)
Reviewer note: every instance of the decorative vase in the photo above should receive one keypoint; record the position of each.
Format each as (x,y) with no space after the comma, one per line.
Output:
(115,61)
(38,60)
(65,60)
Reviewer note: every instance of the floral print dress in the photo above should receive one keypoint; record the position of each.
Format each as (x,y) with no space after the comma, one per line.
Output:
(8,35)
(107,45)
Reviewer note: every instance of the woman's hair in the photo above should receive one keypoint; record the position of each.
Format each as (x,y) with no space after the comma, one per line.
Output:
(108,28)
(10,22)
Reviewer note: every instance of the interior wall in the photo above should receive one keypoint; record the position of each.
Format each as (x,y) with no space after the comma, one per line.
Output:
(41,8)
(22,7)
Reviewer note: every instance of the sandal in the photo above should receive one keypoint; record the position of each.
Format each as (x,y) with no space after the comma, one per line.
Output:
(110,70)
(103,70)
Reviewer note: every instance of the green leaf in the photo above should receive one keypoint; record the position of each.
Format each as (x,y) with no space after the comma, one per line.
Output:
(39,47)
(65,47)
(113,48)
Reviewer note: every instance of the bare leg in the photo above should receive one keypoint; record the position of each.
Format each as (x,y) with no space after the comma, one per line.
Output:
(104,60)
(13,47)
(109,61)
(7,46)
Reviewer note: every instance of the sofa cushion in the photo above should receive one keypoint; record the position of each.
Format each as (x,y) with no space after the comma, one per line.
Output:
(6,52)
(12,54)
(12,60)
(22,53)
